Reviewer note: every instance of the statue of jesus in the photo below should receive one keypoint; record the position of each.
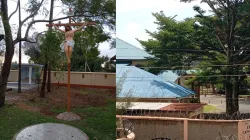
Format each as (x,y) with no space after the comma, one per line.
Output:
(69,43)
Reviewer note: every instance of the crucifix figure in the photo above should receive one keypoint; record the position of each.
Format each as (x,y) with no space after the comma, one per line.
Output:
(68,45)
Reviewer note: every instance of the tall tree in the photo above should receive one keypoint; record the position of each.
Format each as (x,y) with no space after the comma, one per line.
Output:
(218,38)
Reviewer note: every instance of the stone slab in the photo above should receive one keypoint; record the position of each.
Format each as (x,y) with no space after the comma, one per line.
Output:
(50,131)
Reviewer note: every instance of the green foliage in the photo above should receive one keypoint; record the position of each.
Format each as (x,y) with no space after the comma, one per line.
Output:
(169,39)
(103,12)
(86,48)
(219,86)
(50,48)
(37,72)
(194,100)
(48,51)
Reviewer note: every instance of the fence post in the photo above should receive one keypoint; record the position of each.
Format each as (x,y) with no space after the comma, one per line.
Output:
(185,129)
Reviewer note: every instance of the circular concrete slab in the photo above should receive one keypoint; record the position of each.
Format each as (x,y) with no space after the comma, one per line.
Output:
(50,131)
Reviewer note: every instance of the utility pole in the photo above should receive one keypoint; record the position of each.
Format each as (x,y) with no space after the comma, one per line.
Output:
(20,51)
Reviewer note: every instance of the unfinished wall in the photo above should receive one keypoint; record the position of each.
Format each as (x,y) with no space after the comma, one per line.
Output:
(147,128)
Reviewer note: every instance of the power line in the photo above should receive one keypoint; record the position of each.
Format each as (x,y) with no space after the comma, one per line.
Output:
(136,56)
(185,76)
(190,66)
(194,50)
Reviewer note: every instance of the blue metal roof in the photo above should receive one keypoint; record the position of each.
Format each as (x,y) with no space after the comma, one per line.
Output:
(137,83)
(124,50)
(169,75)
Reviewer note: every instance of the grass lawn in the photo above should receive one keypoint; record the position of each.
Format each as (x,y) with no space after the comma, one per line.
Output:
(209,109)
(98,121)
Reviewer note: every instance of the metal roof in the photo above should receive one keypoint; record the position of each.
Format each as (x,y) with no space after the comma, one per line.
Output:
(126,51)
(137,83)
(169,75)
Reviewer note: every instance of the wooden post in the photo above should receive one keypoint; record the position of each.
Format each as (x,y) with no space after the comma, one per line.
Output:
(69,98)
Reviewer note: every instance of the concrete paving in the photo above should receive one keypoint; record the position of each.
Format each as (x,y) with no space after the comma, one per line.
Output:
(220,102)
(14,86)
(50,131)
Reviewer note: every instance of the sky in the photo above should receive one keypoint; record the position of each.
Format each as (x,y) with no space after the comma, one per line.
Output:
(134,16)
(103,47)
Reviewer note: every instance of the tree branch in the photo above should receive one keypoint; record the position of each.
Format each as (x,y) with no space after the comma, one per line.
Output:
(242,48)
(30,16)
(30,41)
(231,32)
(242,61)
(15,10)
(221,2)
(210,4)
(224,48)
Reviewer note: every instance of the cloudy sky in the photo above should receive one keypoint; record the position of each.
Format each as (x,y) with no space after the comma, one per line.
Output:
(134,16)
(104,47)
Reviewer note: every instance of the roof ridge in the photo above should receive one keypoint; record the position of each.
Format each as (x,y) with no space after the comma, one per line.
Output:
(131,44)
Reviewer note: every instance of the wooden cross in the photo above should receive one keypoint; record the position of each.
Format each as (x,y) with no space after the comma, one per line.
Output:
(70,24)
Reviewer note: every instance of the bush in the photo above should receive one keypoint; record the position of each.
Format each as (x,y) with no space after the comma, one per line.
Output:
(194,100)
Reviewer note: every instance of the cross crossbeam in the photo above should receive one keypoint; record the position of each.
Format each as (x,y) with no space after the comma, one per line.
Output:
(71,24)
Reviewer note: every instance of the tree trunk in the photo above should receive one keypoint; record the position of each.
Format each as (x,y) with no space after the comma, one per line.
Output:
(236,92)
(229,85)
(192,86)
(9,51)
(49,80)
(50,28)
(20,51)
(42,93)
(5,73)
(229,101)
(213,88)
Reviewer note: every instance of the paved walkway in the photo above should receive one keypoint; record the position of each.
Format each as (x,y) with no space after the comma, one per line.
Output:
(14,86)
(220,102)
(50,131)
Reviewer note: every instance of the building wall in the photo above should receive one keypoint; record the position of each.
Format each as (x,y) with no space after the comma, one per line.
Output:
(91,79)
(13,77)
(147,128)
(211,130)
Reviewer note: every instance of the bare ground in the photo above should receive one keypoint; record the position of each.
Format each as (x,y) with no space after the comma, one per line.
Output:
(57,98)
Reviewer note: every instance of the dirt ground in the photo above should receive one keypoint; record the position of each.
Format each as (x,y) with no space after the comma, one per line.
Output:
(57,98)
